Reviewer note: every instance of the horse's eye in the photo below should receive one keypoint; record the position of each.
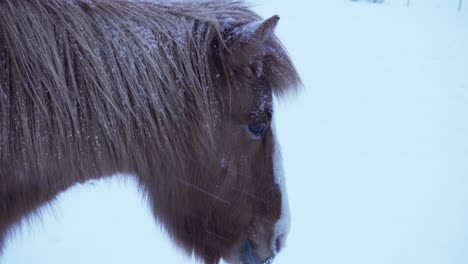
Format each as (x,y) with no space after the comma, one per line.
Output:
(258,129)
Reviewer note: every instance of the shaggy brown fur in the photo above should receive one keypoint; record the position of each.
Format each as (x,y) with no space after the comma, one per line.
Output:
(162,91)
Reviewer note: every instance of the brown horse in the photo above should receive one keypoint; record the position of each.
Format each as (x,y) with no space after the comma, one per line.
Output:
(178,94)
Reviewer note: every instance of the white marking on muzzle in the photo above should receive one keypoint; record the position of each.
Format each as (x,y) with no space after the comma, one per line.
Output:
(283,224)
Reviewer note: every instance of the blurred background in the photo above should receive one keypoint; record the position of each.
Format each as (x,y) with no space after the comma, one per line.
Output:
(375,148)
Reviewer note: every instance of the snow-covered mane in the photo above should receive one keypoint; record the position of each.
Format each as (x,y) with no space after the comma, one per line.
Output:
(94,87)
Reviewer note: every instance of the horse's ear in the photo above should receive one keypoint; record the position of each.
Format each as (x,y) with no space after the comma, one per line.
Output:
(247,41)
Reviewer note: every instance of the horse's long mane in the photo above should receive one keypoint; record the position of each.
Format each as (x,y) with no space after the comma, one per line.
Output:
(98,76)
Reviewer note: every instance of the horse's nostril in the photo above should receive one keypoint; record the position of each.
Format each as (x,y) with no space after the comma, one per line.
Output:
(279,243)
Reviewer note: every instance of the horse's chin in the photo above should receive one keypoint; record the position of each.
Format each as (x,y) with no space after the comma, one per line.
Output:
(245,254)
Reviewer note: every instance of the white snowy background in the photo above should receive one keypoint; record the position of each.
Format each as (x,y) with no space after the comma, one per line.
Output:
(375,148)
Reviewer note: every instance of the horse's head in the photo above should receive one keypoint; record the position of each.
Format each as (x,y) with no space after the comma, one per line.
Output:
(178,93)
(233,203)
(250,156)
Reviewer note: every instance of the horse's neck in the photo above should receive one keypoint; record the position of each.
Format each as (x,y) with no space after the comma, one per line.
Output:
(22,198)
(18,199)
(17,202)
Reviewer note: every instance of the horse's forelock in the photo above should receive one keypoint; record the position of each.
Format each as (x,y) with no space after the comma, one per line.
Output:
(252,45)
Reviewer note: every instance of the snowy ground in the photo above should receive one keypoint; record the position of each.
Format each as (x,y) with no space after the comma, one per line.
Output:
(375,148)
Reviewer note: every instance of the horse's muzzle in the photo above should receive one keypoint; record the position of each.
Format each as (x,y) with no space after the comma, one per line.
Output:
(248,255)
